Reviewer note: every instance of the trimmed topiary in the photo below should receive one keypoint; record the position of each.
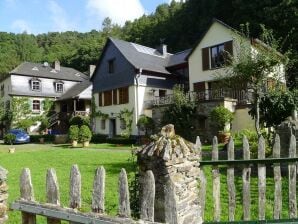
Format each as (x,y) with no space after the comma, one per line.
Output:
(9,138)
(85,135)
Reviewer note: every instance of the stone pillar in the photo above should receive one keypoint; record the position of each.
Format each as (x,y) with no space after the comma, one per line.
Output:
(174,163)
(3,195)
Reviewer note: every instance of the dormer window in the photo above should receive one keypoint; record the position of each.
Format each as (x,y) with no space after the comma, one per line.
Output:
(35,85)
(111,66)
(59,87)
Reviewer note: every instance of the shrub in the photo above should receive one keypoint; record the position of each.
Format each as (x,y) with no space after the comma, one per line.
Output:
(98,138)
(9,138)
(73,133)
(146,124)
(121,140)
(79,121)
(85,134)
(220,116)
(47,138)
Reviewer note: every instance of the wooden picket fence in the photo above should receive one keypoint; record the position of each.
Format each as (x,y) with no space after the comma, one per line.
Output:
(55,212)
(245,164)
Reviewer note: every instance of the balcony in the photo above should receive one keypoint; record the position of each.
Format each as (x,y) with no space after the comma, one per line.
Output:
(243,97)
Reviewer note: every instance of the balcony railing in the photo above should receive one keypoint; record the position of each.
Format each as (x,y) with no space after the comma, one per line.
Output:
(242,96)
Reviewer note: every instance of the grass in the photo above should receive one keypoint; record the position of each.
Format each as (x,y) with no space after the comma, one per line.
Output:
(61,157)
(39,158)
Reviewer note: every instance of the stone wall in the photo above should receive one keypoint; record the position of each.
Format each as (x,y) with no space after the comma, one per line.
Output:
(174,163)
(3,195)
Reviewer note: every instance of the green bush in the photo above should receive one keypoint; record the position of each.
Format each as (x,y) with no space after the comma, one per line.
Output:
(98,138)
(9,138)
(79,121)
(85,134)
(220,116)
(73,133)
(121,140)
(146,124)
(47,138)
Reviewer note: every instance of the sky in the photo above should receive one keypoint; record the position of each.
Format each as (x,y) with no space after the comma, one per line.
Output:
(42,16)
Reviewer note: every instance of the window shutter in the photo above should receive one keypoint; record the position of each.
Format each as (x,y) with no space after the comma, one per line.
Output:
(100,99)
(115,102)
(205,58)
(228,52)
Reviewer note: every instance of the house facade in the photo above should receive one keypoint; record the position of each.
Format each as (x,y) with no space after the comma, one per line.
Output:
(38,82)
(128,77)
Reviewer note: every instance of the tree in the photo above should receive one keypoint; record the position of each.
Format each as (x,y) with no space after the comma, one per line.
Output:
(252,64)
(182,113)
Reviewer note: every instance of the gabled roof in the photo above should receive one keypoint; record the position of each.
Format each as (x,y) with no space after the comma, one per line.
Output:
(76,90)
(179,58)
(41,71)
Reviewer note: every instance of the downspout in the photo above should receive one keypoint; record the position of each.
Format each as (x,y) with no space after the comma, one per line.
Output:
(138,75)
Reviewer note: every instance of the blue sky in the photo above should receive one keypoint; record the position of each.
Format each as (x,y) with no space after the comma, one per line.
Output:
(42,16)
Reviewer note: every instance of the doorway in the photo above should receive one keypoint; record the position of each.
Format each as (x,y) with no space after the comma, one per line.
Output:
(112,128)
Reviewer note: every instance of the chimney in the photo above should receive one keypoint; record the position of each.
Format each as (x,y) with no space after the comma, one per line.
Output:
(162,49)
(91,70)
(57,65)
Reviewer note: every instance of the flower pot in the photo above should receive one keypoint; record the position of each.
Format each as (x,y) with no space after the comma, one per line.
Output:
(74,143)
(224,137)
(86,144)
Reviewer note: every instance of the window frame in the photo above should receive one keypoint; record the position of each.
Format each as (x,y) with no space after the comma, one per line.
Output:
(34,103)
(34,84)
(56,87)
(219,59)
(103,124)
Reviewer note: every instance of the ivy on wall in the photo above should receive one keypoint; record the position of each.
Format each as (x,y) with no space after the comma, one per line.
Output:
(126,116)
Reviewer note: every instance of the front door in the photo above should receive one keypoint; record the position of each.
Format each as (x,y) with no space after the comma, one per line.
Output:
(112,128)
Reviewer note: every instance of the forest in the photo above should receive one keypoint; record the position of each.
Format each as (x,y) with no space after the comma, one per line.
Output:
(179,25)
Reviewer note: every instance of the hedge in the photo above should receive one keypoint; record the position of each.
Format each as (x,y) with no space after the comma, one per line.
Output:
(99,138)
(47,138)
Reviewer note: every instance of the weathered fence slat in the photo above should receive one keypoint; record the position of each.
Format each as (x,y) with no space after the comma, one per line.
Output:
(124,204)
(202,180)
(231,181)
(53,194)
(75,188)
(98,194)
(292,179)
(27,193)
(262,179)
(246,181)
(277,180)
(148,196)
(216,182)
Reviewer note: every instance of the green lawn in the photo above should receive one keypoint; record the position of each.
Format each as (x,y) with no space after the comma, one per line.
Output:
(39,158)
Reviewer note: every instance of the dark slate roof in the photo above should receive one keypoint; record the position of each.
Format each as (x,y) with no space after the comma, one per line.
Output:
(179,58)
(143,57)
(76,90)
(41,71)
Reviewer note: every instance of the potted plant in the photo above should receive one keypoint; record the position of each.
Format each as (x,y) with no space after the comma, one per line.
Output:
(85,135)
(221,118)
(9,139)
(73,135)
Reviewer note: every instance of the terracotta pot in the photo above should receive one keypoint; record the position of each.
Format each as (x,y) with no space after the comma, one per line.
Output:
(74,143)
(86,144)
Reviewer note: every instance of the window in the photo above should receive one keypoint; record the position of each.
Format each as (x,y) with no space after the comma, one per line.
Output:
(216,56)
(123,95)
(107,95)
(122,124)
(59,87)
(36,105)
(99,99)
(162,93)
(111,66)
(35,85)
(103,124)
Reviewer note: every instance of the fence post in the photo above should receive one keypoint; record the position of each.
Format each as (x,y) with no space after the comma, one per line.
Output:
(216,182)
(262,179)
(124,204)
(231,181)
(202,179)
(277,180)
(53,194)
(75,188)
(148,196)
(98,195)
(292,180)
(246,181)
(3,195)
(26,190)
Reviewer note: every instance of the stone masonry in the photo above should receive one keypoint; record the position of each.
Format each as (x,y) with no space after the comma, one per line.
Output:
(174,163)
(3,195)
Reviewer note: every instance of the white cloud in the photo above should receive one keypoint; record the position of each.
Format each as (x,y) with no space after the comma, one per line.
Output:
(59,18)
(21,26)
(118,10)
